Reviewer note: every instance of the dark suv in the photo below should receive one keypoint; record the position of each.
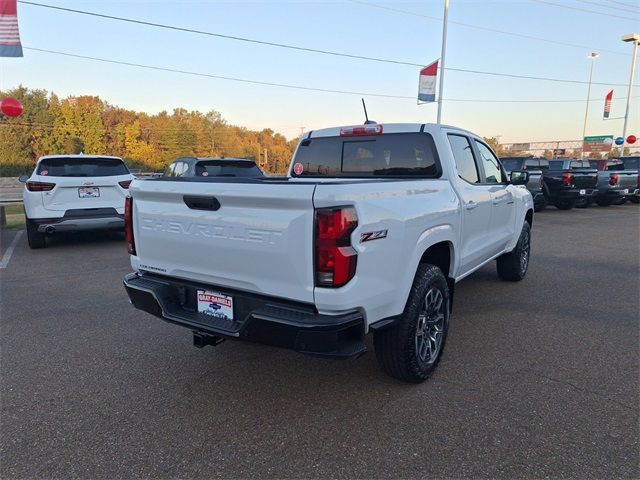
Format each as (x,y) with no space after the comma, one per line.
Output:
(213,167)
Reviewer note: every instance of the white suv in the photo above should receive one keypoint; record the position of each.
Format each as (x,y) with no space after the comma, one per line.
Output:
(74,192)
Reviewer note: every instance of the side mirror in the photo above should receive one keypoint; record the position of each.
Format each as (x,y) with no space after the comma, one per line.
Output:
(23,178)
(519,177)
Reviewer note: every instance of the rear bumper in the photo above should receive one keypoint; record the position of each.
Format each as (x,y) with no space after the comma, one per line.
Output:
(82,219)
(111,223)
(574,194)
(260,319)
(617,193)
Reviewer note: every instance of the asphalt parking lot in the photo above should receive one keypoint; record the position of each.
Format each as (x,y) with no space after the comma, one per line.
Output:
(539,378)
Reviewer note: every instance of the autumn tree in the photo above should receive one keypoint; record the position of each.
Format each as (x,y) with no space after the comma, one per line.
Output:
(495,145)
(50,125)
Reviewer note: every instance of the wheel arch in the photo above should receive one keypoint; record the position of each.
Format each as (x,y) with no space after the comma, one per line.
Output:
(528,217)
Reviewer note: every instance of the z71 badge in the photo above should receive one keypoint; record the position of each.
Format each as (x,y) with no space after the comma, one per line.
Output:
(369,236)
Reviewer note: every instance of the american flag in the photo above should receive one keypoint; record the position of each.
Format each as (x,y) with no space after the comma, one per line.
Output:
(9,36)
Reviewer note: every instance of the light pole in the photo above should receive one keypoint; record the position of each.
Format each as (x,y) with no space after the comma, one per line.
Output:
(635,38)
(593,57)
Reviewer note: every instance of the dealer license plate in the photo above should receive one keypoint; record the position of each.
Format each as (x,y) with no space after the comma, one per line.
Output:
(88,192)
(215,304)
(583,192)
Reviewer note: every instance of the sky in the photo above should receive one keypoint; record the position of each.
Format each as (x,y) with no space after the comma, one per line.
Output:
(373,28)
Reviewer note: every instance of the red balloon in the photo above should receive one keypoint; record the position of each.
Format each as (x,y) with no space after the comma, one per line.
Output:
(11,107)
(631,139)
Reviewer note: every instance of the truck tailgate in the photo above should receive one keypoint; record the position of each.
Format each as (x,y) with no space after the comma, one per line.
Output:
(628,180)
(259,239)
(585,178)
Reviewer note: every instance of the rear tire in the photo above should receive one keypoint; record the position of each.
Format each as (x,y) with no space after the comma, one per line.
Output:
(411,350)
(513,266)
(585,202)
(540,206)
(564,204)
(603,202)
(34,238)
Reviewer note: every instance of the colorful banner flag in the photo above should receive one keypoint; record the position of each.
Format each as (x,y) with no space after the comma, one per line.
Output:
(607,104)
(427,85)
(9,36)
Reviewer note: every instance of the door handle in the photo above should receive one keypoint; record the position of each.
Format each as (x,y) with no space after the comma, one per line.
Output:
(504,198)
(201,203)
(471,205)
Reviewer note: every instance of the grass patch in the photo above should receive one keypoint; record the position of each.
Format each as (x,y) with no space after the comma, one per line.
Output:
(15,216)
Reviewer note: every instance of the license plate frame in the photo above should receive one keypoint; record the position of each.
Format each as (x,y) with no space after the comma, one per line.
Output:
(89,192)
(215,304)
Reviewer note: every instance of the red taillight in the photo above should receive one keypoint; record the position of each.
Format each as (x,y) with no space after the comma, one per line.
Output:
(125,183)
(335,257)
(541,181)
(567,179)
(613,179)
(128,225)
(40,186)
(361,131)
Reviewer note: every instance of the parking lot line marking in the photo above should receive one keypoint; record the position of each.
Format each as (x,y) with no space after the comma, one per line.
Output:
(7,255)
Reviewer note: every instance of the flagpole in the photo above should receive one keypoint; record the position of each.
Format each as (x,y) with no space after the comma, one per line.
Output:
(593,57)
(444,48)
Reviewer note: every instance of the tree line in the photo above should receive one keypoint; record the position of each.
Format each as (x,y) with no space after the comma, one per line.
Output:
(53,125)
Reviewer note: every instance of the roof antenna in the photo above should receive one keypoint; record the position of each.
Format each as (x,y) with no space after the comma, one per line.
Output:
(367,121)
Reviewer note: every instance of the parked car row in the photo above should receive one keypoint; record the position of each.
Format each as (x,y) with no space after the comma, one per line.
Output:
(568,183)
(87,192)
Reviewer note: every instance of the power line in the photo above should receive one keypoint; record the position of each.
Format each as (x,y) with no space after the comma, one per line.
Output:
(581,9)
(606,6)
(208,75)
(301,87)
(220,35)
(622,3)
(487,29)
(325,52)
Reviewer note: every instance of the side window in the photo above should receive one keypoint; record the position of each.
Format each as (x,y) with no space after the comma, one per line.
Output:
(492,170)
(463,156)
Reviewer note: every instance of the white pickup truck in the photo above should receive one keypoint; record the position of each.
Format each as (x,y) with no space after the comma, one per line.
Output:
(369,232)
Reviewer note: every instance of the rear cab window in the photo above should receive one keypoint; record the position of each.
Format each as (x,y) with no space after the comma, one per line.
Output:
(556,165)
(227,168)
(631,163)
(577,164)
(615,166)
(82,167)
(511,164)
(387,155)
